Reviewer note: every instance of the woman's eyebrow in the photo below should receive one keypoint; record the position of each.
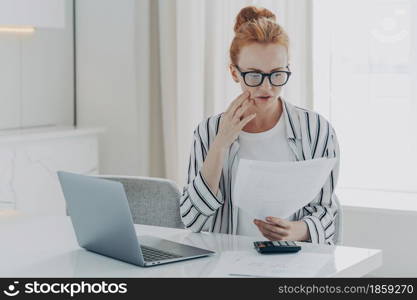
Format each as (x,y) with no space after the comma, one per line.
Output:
(275,69)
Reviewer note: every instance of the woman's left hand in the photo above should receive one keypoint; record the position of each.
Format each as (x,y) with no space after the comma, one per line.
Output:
(276,229)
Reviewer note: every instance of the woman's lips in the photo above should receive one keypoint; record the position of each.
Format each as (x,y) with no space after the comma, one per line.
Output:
(263,98)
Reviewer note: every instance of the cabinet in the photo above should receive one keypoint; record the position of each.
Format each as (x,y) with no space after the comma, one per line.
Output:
(30,158)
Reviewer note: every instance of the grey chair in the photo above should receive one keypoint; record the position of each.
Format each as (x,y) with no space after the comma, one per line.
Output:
(152,201)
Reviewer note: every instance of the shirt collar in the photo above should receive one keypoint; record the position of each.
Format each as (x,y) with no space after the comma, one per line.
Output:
(292,124)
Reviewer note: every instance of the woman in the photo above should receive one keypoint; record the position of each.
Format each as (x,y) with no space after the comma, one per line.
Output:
(258,125)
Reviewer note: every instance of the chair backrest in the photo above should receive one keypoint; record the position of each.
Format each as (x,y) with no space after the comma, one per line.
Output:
(152,201)
(339,223)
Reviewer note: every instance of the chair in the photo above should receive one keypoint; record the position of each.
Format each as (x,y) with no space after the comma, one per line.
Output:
(339,223)
(152,201)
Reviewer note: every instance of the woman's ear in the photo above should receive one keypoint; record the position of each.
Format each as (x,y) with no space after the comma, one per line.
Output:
(234,73)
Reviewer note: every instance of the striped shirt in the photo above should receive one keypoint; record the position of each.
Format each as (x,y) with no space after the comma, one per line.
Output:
(309,136)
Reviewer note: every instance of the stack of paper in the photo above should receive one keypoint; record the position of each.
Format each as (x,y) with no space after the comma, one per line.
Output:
(248,264)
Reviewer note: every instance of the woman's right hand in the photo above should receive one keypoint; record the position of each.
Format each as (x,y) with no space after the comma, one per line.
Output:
(232,121)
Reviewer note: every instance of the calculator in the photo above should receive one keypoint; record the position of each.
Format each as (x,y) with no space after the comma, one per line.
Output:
(276,246)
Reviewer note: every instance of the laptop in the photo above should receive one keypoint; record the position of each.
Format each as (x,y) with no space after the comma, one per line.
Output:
(103,224)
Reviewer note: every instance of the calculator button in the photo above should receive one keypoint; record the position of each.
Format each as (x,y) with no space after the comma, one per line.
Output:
(275,243)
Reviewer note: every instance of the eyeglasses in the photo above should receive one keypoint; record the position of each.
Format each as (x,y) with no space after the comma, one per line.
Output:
(276,78)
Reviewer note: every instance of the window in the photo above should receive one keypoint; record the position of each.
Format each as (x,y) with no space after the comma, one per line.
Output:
(365,82)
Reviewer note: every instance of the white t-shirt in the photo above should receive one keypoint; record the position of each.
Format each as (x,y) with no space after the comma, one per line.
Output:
(270,145)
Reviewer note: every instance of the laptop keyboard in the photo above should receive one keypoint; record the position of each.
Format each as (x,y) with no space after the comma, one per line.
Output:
(152,254)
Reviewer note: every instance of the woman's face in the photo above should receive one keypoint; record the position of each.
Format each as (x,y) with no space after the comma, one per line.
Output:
(266,59)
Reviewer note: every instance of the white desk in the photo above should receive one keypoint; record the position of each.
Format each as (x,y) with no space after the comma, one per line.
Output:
(46,247)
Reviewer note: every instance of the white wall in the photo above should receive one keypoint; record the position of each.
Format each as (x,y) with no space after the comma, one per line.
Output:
(36,76)
(112,67)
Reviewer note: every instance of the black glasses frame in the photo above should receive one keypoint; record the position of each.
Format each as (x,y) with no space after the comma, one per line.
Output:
(243,74)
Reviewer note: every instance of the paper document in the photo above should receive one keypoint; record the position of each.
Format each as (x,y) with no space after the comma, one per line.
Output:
(248,264)
(279,189)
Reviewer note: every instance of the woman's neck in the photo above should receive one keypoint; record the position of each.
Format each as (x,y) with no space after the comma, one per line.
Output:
(266,119)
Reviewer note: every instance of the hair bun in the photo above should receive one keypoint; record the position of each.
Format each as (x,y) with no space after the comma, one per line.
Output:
(250,13)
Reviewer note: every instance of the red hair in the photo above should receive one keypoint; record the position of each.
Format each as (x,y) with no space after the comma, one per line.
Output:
(258,25)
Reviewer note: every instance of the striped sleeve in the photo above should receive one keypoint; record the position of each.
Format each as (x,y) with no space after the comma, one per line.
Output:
(198,203)
(319,214)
